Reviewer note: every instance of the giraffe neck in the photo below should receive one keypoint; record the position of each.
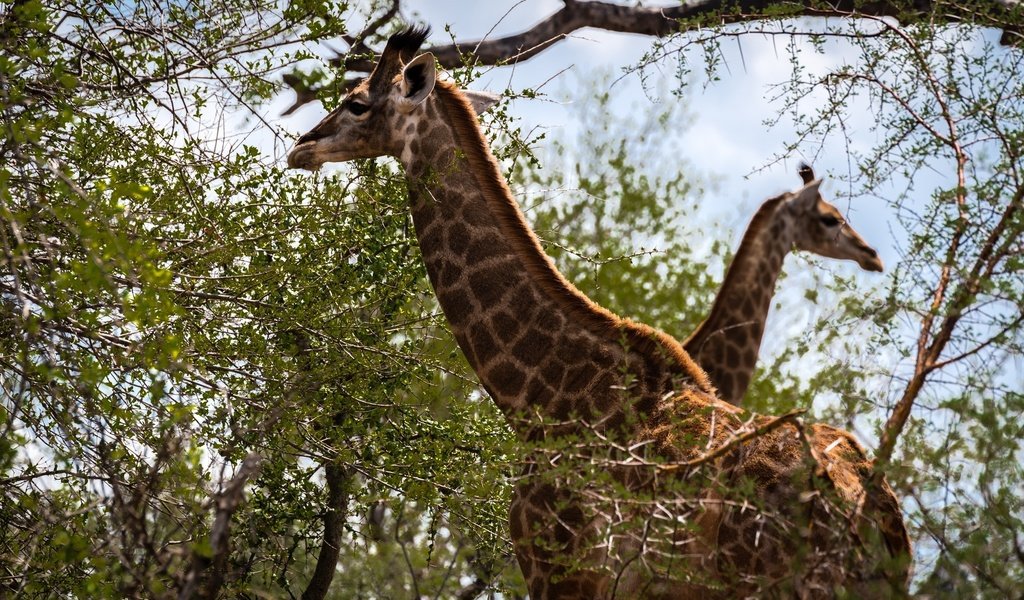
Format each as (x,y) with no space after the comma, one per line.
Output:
(727,343)
(538,345)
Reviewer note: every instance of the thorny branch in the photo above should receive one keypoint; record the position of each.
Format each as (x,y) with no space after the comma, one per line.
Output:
(735,441)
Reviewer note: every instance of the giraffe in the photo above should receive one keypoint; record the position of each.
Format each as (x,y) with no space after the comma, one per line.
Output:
(611,397)
(727,343)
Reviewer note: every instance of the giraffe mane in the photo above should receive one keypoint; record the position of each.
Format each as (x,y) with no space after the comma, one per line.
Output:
(601,321)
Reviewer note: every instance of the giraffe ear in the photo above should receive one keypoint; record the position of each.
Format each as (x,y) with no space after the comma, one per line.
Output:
(418,79)
(806,197)
(481,101)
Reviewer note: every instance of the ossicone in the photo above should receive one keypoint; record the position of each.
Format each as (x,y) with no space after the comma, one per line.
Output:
(406,43)
(806,173)
(399,50)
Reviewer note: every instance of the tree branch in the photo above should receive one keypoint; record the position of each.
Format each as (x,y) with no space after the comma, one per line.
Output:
(662,22)
(471,591)
(735,441)
(227,502)
(337,507)
(928,360)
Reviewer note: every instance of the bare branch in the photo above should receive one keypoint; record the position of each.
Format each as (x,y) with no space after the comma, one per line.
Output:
(994,250)
(357,44)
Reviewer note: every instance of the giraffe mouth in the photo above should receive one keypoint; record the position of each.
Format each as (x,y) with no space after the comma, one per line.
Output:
(870,261)
(303,156)
(874,265)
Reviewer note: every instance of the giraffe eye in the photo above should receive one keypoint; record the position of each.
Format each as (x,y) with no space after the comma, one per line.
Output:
(357,108)
(829,221)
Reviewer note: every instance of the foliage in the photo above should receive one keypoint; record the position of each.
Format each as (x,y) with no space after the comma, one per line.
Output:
(605,219)
(174,302)
(170,297)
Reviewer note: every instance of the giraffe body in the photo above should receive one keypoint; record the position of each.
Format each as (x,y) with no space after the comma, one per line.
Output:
(726,345)
(590,392)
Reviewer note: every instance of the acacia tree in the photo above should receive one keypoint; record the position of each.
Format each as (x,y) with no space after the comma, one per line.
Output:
(948,106)
(221,379)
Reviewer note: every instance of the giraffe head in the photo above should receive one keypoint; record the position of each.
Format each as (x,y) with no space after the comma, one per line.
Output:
(382,114)
(822,229)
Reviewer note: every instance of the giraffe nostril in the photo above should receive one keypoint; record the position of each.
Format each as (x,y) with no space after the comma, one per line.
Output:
(311,136)
(870,252)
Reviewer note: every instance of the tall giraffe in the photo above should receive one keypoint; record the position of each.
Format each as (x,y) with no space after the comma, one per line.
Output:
(567,373)
(727,343)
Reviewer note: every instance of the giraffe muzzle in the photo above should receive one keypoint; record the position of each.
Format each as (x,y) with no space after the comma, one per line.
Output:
(303,156)
(870,261)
